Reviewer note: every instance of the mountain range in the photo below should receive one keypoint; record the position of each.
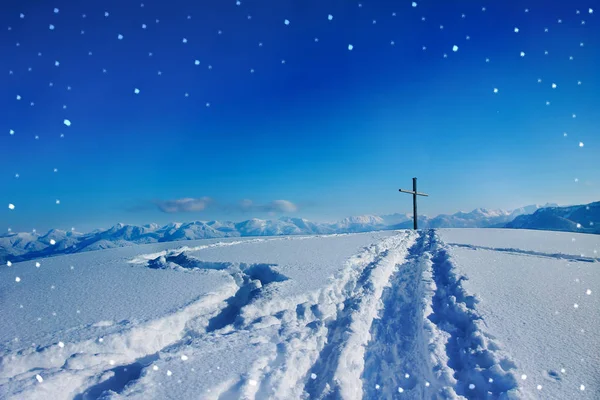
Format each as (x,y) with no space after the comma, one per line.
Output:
(23,246)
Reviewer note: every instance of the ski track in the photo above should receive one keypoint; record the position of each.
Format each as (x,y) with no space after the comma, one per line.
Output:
(395,322)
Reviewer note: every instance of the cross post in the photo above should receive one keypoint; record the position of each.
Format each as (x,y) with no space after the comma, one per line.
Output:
(415,194)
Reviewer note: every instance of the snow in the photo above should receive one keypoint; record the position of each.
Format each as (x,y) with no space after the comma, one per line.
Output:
(449,313)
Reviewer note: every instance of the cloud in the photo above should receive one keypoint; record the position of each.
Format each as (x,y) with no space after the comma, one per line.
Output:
(183,205)
(275,206)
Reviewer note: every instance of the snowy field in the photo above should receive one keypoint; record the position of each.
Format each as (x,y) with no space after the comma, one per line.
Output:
(353,316)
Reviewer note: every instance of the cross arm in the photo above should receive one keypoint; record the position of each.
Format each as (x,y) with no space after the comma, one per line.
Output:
(412,192)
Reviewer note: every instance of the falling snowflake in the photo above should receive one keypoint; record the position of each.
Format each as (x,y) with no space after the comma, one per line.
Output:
(539,387)
(52,241)
(57,201)
(136,91)
(39,378)
(120,37)
(580,144)
(471,386)
(522,54)
(495,90)
(554,86)
(455,48)
(37,264)
(67,122)
(169,373)
(427,384)
(523,377)
(155,367)
(516,30)
(61,344)
(287,22)
(582,388)
(313,376)
(588,292)
(400,390)
(575,305)
(184,40)
(17,279)
(9,264)
(330,17)
(184,357)
(350,47)
(56,11)
(414,4)
(11,206)
(252,382)
(51,27)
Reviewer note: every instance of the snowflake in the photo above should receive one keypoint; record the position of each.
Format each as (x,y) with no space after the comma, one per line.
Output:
(9,264)
(51,27)
(143,26)
(61,344)
(39,378)
(52,241)
(17,279)
(539,387)
(522,54)
(197,62)
(11,206)
(120,37)
(588,292)
(414,4)
(11,132)
(67,122)
(471,386)
(582,388)
(136,91)
(37,264)
(495,90)
(57,201)
(580,144)
(350,47)
(400,390)
(155,367)
(523,377)
(455,48)
(575,305)
(313,376)
(169,373)
(184,40)
(330,17)
(184,357)
(287,22)
(516,30)
(56,11)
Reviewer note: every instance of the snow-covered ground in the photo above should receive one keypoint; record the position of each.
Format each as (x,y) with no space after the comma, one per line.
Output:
(370,315)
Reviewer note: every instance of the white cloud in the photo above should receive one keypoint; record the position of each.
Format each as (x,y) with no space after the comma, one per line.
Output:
(183,205)
(275,206)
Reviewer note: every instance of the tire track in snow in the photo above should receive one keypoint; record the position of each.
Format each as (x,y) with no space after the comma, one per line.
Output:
(397,355)
(340,363)
(479,367)
(331,323)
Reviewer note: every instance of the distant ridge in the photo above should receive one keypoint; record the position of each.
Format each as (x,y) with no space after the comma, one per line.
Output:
(22,246)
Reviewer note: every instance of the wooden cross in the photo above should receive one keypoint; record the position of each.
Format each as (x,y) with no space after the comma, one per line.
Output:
(415,194)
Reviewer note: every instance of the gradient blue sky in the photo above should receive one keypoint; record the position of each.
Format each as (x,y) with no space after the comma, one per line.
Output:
(334,131)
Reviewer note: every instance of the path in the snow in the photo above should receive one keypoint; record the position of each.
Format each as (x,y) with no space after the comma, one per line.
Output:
(393,322)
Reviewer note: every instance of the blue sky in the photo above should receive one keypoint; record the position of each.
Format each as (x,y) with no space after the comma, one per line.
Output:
(288,112)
